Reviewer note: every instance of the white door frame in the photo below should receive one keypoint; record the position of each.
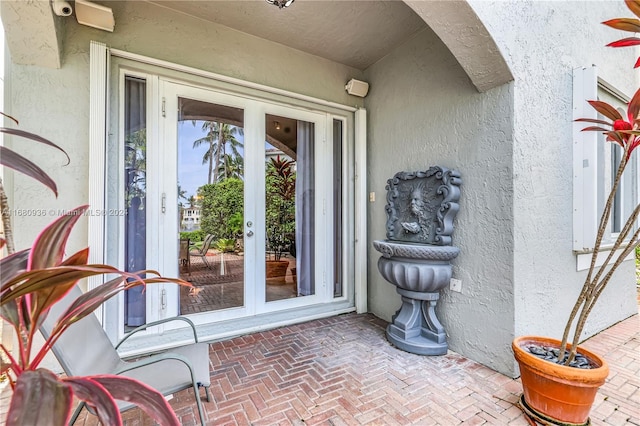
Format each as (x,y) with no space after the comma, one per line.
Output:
(100,58)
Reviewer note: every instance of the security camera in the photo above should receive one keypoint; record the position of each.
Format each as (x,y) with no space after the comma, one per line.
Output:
(61,7)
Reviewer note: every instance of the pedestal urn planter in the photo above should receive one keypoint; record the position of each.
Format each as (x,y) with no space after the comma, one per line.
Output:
(419,273)
(416,256)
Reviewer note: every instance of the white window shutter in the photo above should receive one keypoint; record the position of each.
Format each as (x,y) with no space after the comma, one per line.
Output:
(585,160)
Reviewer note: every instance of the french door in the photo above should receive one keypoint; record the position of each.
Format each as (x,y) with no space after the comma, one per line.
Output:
(243,189)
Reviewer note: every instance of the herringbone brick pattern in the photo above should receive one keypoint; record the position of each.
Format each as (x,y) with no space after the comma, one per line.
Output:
(618,401)
(342,371)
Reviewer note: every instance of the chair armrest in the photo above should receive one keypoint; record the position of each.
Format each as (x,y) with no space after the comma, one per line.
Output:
(153,360)
(154,323)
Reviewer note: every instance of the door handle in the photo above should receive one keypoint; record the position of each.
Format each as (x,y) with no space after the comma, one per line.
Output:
(249,233)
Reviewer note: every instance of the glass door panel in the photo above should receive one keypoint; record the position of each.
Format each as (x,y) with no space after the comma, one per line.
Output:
(337,236)
(210,199)
(135,194)
(289,208)
(243,205)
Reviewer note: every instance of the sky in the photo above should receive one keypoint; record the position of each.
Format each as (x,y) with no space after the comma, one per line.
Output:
(192,174)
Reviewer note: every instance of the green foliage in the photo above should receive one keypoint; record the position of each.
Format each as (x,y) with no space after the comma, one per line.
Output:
(135,160)
(193,236)
(226,245)
(221,203)
(235,223)
(280,211)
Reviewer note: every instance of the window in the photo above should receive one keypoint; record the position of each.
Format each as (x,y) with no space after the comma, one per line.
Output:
(595,162)
(611,155)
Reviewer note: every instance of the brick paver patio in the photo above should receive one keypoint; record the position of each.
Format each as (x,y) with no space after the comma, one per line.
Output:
(215,291)
(342,371)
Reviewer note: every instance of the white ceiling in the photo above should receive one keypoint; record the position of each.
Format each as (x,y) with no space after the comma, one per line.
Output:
(355,33)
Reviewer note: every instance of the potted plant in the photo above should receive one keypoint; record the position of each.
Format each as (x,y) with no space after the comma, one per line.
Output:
(559,378)
(280,213)
(34,280)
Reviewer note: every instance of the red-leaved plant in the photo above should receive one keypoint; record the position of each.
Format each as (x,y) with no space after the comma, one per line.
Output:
(32,281)
(624,132)
(627,24)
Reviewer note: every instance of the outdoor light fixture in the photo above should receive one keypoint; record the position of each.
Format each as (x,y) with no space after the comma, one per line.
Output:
(281,3)
(277,125)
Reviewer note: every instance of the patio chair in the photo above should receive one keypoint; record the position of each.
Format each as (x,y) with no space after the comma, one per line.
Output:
(202,252)
(84,349)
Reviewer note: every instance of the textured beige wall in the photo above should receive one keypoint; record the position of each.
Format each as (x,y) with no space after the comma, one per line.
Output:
(543,42)
(513,146)
(424,111)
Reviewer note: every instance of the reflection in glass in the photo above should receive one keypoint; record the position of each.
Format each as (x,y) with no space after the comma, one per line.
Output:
(289,208)
(135,159)
(337,208)
(210,205)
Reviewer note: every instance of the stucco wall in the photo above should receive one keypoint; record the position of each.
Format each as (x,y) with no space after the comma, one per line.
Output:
(424,111)
(542,43)
(512,145)
(55,103)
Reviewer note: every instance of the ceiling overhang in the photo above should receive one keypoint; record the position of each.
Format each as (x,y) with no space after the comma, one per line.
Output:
(464,34)
(354,33)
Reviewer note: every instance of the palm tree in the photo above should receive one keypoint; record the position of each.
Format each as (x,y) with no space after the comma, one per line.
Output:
(182,195)
(218,136)
(232,167)
(232,163)
(135,152)
(210,138)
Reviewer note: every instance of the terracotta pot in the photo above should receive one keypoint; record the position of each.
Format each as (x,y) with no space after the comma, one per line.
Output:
(557,391)
(276,268)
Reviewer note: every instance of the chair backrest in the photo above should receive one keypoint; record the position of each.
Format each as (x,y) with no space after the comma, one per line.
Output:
(206,244)
(84,349)
(184,249)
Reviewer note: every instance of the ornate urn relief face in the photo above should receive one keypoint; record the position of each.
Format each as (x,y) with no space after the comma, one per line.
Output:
(421,206)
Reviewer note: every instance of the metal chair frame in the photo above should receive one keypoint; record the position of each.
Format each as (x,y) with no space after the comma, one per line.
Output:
(79,357)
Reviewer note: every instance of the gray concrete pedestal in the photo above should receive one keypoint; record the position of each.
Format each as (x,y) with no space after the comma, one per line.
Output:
(415,327)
